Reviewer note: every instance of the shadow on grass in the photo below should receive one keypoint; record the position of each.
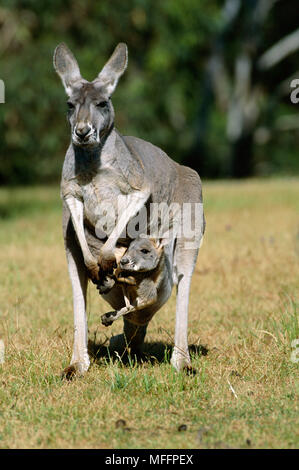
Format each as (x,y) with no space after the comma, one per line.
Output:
(153,352)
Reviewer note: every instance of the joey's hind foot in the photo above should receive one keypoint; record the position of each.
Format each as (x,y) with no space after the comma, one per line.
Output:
(108,318)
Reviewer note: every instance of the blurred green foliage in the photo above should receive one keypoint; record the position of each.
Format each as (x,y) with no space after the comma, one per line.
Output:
(162,97)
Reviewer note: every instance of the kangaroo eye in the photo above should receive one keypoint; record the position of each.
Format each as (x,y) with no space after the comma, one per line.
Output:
(145,251)
(102,104)
(70,105)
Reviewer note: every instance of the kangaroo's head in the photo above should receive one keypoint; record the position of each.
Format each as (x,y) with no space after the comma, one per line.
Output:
(90,111)
(143,254)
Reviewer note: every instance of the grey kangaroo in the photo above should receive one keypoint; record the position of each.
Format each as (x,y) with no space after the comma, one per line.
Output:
(101,165)
(142,274)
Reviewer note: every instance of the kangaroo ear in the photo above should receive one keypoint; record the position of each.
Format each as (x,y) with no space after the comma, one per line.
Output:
(114,68)
(66,66)
(159,243)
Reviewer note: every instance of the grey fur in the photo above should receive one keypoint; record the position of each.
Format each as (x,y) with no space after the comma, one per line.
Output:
(101,165)
(143,274)
(142,255)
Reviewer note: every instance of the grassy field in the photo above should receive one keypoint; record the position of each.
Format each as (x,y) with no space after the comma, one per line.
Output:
(243,318)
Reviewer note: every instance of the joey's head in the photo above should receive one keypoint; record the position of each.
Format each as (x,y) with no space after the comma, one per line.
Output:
(143,254)
(90,111)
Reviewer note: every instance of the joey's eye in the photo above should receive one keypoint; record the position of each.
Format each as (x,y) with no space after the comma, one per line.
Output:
(102,104)
(70,105)
(145,251)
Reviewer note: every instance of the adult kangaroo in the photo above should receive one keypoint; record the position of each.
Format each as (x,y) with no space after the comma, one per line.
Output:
(101,165)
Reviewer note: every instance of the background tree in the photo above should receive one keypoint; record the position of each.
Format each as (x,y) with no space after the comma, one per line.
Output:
(208,81)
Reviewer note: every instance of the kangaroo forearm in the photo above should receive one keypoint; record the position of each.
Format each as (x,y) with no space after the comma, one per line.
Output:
(132,204)
(76,210)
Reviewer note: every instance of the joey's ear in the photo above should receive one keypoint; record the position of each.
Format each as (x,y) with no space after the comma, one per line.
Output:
(160,243)
(114,68)
(66,66)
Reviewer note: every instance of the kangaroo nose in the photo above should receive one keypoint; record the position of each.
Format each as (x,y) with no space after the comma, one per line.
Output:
(124,261)
(82,130)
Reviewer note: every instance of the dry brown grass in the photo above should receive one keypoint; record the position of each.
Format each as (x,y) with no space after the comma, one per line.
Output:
(244,309)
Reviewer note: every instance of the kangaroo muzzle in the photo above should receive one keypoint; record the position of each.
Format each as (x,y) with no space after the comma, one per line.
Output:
(82,131)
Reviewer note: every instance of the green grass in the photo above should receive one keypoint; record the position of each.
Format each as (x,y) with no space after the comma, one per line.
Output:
(244,311)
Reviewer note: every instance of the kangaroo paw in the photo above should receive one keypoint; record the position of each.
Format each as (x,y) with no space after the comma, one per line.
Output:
(105,285)
(93,273)
(130,280)
(107,261)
